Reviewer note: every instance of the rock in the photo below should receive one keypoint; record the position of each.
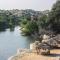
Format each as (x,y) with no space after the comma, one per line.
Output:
(32,46)
(45,49)
(45,37)
(45,52)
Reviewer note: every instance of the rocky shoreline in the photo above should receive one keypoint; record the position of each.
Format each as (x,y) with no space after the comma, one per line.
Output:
(29,55)
(20,53)
(44,47)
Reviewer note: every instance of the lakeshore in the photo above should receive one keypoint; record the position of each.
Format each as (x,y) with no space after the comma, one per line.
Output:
(29,55)
(40,51)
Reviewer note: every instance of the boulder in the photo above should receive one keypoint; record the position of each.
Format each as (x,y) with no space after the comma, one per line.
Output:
(44,49)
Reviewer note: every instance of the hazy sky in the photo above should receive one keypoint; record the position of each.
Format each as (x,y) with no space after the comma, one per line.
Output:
(27,4)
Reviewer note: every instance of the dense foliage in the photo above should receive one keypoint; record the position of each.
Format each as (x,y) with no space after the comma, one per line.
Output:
(54,17)
(46,22)
(7,21)
(31,21)
(30,27)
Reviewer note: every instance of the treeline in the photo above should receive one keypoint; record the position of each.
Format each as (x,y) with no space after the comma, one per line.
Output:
(11,18)
(7,20)
(46,23)
(32,22)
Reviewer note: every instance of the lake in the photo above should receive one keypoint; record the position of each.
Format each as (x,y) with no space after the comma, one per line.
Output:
(10,41)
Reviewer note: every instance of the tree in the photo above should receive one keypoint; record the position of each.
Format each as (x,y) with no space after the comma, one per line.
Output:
(43,21)
(54,17)
(30,28)
(43,24)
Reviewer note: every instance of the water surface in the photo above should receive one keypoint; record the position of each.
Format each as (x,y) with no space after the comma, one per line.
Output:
(10,41)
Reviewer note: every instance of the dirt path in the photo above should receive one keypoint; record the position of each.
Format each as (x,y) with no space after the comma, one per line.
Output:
(55,54)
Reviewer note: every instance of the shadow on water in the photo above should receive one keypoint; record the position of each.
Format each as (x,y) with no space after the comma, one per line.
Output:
(2,30)
(12,29)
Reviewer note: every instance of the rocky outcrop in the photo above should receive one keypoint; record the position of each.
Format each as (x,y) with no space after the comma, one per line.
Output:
(43,47)
(54,41)
(47,44)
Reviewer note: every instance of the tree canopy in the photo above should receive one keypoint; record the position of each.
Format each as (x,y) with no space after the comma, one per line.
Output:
(54,17)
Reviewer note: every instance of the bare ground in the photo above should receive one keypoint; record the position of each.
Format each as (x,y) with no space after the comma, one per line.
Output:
(55,55)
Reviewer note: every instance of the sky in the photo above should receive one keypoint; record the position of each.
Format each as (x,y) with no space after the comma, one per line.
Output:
(38,5)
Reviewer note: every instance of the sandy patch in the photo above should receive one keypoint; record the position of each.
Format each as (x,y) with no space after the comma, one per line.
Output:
(55,54)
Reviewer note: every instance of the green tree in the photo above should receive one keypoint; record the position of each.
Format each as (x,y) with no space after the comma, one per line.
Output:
(30,28)
(54,17)
(43,22)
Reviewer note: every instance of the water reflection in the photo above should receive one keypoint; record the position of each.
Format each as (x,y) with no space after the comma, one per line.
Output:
(12,29)
(1,30)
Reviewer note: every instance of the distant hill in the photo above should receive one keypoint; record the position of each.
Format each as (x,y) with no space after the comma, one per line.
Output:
(20,13)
